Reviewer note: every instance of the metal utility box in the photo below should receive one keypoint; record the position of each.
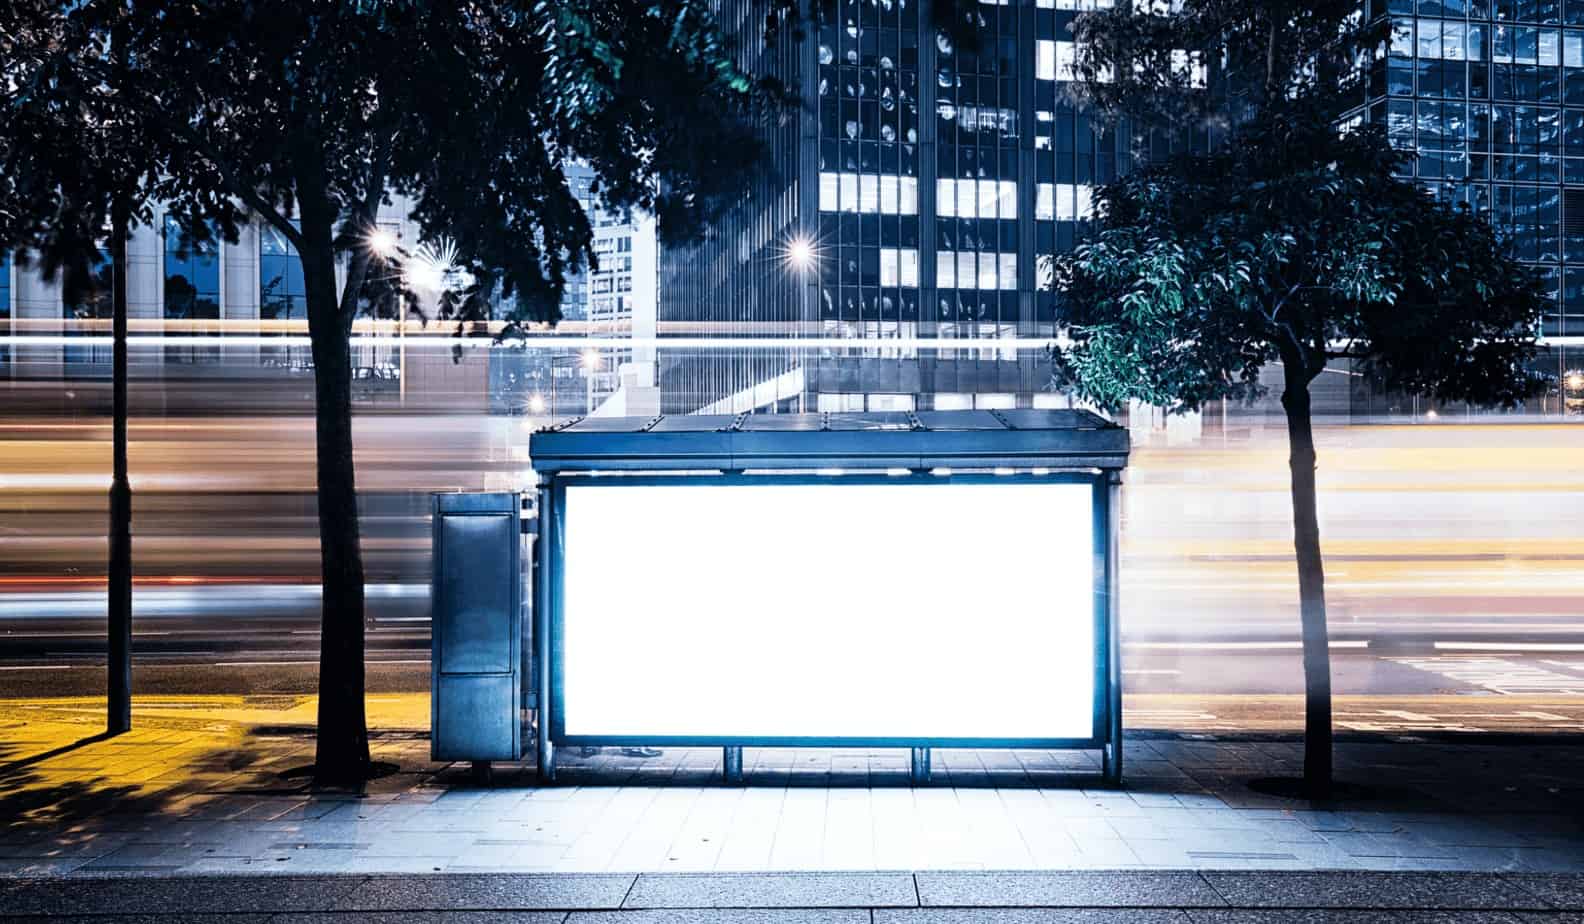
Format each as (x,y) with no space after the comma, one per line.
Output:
(477,628)
(938,579)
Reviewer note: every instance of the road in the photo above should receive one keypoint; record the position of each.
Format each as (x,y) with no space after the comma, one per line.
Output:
(1453,553)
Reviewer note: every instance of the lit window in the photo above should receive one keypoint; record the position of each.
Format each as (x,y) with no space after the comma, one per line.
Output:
(1008,271)
(828,192)
(1045,202)
(899,268)
(849,192)
(868,193)
(888,195)
(987,271)
(946,198)
(908,187)
(1044,60)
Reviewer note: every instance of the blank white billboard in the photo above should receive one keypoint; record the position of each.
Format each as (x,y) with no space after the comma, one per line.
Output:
(829,610)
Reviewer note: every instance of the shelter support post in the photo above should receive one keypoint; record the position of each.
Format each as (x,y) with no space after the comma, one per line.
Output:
(549,533)
(731,765)
(919,765)
(1112,762)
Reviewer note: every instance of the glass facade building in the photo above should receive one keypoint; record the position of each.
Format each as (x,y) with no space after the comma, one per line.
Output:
(1490,94)
(927,184)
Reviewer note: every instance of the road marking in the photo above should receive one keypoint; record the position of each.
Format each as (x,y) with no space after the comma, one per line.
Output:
(1508,646)
(1497,674)
(1237,646)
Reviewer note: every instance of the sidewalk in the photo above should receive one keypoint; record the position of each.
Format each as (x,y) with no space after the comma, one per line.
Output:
(826,898)
(205,785)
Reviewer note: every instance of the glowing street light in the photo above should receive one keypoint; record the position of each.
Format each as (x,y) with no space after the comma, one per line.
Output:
(800,254)
(1574,380)
(382,243)
(536,403)
(591,359)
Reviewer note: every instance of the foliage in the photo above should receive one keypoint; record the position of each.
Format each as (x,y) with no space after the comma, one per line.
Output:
(1293,243)
(1217,63)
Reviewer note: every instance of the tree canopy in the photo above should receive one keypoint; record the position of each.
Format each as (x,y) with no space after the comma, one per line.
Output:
(1294,242)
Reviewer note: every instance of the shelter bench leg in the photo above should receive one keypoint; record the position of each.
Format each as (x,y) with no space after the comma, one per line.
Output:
(731,765)
(919,765)
(546,760)
(1111,763)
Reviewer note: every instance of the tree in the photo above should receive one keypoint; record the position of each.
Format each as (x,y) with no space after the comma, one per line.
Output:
(310,115)
(1310,247)
(1297,244)
(76,174)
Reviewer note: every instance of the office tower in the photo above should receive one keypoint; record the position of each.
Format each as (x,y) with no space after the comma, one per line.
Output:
(928,186)
(1485,92)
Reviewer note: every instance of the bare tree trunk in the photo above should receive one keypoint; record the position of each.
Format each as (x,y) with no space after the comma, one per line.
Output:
(118,698)
(342,753)
(1311,583)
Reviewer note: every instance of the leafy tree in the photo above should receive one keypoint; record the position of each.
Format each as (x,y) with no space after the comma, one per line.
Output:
(1273,235)
(309,115)
(1294,244)
(76,174)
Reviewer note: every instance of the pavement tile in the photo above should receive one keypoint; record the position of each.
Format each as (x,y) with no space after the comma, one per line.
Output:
(494,892)
(423,917)
(1066,889)
(150,919)
(1563,892)
(724,916)
(192,895)
(1029,916)
(1431,890)
(772,890)
(1349,916)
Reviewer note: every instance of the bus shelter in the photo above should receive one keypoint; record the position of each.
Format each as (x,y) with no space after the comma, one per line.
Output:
(911,580)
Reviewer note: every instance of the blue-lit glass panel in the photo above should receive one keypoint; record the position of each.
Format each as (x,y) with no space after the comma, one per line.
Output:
(192,274)
(282,294)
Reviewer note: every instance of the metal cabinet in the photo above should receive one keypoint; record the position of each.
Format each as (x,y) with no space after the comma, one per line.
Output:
(476,628)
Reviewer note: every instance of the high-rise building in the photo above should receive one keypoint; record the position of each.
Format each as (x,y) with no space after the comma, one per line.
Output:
(931,184)
(928,186)
(1490,94)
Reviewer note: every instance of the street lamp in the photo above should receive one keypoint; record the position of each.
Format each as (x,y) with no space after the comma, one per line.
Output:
(1574,380)
(382,243)
(536,403)
(800,254)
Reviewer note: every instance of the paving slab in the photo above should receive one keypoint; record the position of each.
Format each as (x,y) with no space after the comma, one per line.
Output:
(1349,916)
(1029,916)
(1561,892)
(773,890)
(724,916)
(159,895)
(499,892)
(146,919)
(1384,890)
(415,917)
(1071,889)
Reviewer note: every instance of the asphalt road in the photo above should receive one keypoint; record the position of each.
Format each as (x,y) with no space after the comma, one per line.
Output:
(1453,553)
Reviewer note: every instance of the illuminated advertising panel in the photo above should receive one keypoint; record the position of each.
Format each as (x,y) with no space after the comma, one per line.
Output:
(828,609)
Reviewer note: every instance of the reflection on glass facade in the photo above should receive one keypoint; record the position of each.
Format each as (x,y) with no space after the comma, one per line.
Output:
(932,184)
(192,274)
(5,305)
(95,301)
(1490,93)
(283,296)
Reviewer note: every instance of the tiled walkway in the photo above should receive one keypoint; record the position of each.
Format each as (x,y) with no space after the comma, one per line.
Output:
(207,786)
(826,898)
